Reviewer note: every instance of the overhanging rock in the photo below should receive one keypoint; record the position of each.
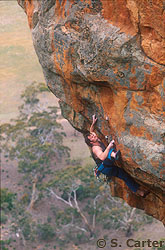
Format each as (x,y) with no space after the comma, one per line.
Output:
(106,57)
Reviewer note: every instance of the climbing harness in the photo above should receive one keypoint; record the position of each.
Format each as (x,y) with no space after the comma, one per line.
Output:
(100,176)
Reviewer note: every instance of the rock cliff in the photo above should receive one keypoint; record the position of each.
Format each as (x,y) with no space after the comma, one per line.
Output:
(107,57)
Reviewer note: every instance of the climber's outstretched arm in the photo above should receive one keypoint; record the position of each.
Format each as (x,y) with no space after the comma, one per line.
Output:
(94,120)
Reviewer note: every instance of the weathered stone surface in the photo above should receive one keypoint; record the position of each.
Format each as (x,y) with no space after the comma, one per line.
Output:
(106,57)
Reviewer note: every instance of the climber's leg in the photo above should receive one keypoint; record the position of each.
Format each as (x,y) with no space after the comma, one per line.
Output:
(129,181)
(123,175)
(108,171)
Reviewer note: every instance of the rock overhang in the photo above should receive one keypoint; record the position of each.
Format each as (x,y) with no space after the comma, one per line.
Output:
(101,57)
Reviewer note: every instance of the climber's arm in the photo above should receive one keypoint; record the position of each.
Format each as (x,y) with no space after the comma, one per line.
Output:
(100,154)
(93,123)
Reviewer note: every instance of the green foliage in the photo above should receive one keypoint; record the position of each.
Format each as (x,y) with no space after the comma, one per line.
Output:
(23,222)
(81,238)
(27,231)
(73,162)
(4,243)
(35,138)
(117,215)
(64,178)
(62,217)
(45,232)
(76,237)
(6,199)
(30,94)
(4,218)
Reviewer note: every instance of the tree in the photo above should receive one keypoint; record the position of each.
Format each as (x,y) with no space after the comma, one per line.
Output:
(45,232)
(34,139)
(71,186)
(89,204)
(6,199)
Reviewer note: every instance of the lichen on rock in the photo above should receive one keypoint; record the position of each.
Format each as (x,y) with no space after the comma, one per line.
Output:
(107,57)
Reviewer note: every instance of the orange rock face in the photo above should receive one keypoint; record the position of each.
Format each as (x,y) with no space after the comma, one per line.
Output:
(107,57)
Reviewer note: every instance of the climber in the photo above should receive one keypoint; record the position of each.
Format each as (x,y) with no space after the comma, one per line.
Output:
(105,159)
